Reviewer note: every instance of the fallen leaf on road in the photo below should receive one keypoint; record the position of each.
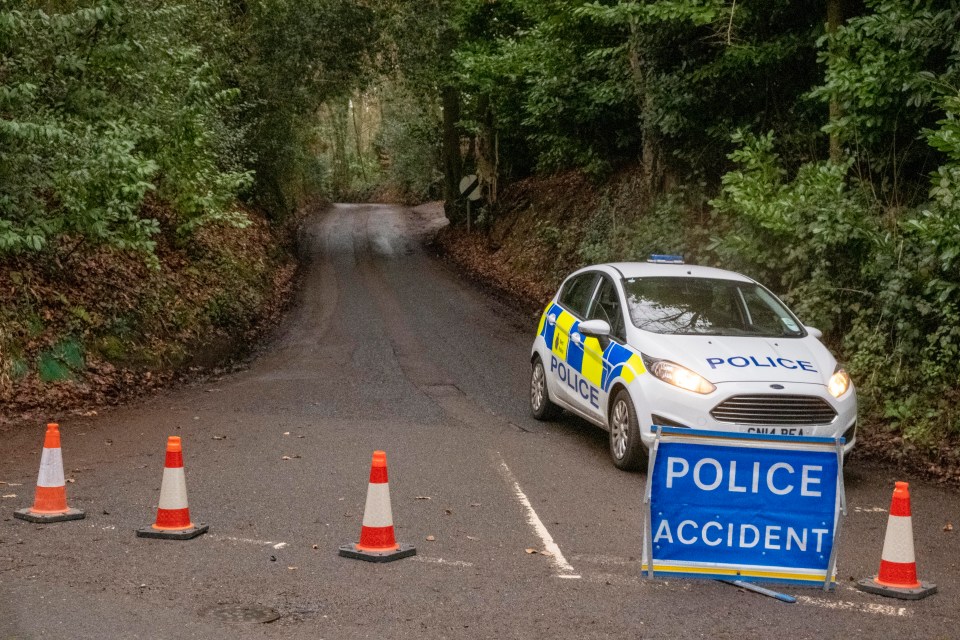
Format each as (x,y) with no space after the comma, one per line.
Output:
(948,526)
(292,568)
(475,504)
(431,538)
(316,546)
(9,495)
(530,550)
(449,512)
(88,414)
(472,538)
(286,433)
(218,438)
(423,498)
(286,458)
(545,553)
(301,436)
(70,480)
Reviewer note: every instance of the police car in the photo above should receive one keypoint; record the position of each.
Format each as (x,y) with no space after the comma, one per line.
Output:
(631,345)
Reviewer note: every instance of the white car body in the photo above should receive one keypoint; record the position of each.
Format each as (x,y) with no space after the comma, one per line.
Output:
(761,384)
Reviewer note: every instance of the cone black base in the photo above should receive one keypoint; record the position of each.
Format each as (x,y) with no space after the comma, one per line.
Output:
(179,534)
(351,551)
(872,586)
(30,516)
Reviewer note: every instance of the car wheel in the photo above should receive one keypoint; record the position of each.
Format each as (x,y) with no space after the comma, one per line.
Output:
(540,404)
(626,447)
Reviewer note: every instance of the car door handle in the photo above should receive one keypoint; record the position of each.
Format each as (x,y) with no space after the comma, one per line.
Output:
(552,319)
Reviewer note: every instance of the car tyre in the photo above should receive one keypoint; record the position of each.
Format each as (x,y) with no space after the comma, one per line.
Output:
(541,406)
(626,447)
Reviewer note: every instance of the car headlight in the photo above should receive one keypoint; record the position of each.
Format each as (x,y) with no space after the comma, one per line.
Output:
(678,376)
(839,383)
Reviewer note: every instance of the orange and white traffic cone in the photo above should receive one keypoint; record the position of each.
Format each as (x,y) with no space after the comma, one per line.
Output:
(898,566)
(377,542)
(173,514)
(50,501)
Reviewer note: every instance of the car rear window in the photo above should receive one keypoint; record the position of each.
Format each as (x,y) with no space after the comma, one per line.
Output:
(708,306)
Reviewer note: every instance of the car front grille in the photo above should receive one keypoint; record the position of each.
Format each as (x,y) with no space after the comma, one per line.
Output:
(774,409)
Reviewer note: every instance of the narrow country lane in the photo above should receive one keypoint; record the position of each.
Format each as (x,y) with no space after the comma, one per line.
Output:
(388,349)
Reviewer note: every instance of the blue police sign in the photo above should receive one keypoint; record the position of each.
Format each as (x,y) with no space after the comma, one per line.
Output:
(748,506)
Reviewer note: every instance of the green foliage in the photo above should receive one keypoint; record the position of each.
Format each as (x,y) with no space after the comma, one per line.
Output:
(102,105)
(618,231)
(588,85)
(62,361)
(409,139)
(887,71)
(886,289)
(560,95)
(291,57)
(806,236)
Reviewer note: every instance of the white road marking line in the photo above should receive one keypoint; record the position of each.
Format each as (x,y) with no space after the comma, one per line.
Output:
(219,538)
(556,556)
(265,543)
(452,563)
(863,607)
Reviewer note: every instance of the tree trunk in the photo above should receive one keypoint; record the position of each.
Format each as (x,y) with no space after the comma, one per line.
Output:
(642,71)
(834,20)
(487,160)
(357,137)
(340,178)
(452,164)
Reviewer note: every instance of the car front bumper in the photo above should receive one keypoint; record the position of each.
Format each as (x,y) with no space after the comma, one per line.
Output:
(659,402)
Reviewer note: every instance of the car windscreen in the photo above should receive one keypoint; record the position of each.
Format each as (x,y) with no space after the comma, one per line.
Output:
(708,306)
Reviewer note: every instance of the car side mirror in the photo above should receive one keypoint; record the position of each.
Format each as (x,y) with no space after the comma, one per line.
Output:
(816,333)
(595,328)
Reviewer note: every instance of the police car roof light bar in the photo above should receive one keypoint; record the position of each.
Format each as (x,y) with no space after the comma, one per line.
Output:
(662,258)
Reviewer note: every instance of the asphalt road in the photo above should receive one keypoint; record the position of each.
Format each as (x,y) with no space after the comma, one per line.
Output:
(388,349)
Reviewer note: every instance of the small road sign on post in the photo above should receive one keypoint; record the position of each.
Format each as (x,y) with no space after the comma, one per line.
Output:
(470,189)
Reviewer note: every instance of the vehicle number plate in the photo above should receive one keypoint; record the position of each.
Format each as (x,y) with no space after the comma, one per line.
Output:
(778,431)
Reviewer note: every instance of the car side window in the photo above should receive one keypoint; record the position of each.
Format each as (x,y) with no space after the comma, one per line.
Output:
(606,306)
(576,293)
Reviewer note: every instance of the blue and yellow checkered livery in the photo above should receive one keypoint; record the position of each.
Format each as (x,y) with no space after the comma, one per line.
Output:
(601,366)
